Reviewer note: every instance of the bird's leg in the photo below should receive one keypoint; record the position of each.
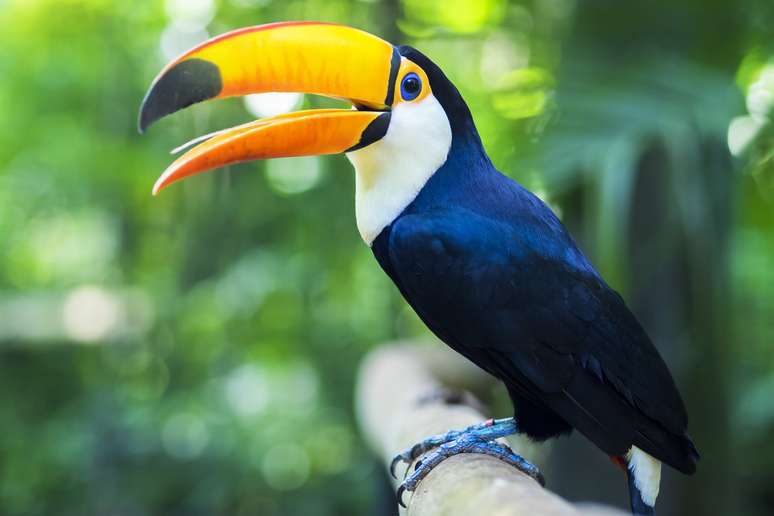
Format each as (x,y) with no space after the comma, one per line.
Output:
(478,438)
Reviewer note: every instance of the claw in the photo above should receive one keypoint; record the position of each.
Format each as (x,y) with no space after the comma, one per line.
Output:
(407,456)
(399,494)
(395,461)
(532,471)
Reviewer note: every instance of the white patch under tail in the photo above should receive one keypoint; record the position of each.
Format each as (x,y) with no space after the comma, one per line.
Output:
(390,172)
(647,474)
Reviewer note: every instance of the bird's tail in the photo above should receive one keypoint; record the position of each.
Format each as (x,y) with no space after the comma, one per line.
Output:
(639,507)
(643,474)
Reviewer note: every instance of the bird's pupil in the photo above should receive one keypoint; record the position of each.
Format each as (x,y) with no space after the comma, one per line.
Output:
(410,86)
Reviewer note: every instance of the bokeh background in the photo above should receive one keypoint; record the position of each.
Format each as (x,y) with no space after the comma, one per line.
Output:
(195,353)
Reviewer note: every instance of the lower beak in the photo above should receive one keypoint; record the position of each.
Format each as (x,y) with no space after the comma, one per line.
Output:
(323,59)
(305,133)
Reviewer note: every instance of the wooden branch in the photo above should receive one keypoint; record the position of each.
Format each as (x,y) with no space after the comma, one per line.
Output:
(398,404)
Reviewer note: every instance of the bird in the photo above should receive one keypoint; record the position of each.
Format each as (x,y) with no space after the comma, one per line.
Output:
(486,265)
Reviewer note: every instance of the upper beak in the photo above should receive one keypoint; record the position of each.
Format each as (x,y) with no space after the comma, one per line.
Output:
(307,57)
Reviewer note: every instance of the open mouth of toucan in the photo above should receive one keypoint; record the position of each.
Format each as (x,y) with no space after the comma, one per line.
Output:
(304,57)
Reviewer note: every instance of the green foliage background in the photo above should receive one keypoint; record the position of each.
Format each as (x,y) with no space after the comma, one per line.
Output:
(195,353)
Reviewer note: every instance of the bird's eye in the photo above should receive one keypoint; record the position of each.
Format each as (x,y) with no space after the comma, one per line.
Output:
(410,86)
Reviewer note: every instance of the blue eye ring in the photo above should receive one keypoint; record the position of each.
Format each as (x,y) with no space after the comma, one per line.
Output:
(410,86)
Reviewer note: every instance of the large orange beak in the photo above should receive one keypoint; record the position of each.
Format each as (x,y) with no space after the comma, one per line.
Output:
(307,57)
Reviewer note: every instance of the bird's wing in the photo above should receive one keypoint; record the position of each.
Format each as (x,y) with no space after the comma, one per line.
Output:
(523,302)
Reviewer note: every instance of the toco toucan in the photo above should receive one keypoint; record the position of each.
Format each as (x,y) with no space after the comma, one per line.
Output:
(484,263)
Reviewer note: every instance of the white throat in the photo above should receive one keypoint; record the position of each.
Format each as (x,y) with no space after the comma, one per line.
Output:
(390,172)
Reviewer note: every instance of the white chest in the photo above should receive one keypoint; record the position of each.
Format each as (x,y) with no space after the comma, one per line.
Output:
(390,172)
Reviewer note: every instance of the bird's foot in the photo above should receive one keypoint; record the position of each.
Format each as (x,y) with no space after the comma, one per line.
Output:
(466,444)
(478,438)
(487,431)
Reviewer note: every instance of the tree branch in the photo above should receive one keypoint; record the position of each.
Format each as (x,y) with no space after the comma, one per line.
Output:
(399,403)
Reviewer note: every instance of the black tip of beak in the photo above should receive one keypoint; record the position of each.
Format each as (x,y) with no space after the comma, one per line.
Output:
(186,83)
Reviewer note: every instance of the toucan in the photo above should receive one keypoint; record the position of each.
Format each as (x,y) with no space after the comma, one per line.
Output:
(486,265)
